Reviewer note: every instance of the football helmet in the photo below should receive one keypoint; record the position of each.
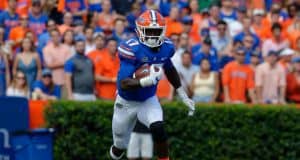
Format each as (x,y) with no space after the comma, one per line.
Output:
(151,28)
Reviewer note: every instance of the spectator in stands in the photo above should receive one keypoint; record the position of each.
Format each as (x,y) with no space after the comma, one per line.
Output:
(292,13)
(285,59)
(164,90)
(67,23)
(221,40)
(89,40)
(78,29)
(277,42)
(272,18)
(28,61)
(22,6)
(96,56)
(248,31)
(148,5)
(248,42)
(30,35)
(276,15)
(107,17)
(2,6)
(6,46)
(37,19)
(293,85)
(119,32)
(186,70)
(183,46)
(205,84)
(255,59)
(94,6)
(4,71)
(9,18)
(175,39)
(297,46)
(197,20)
(236,26)
(45,89)
(165,7)
(140,144)
(107,70)
(210,25)
(173,23)
(237,79)
(206,51)
(50,9)
(17,33)
(294,30)
(230,52)
(122,7)
(68,40)
(257,24)
(18,86)
(270,80)
(44,38)
(56,54)
(227,12)
(78,8)
(132,16)
(80,75)
(92,21)
(187,23)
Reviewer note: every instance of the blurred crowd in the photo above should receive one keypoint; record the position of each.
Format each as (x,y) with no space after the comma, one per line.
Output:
(233,51)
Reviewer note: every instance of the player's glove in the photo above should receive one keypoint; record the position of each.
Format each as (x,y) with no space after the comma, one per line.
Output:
(186,100)
(153,78)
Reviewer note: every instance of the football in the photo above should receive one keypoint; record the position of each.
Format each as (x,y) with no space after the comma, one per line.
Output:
(143,71)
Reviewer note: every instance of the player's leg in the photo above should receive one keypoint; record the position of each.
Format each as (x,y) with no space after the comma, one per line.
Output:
(124,118)
(146,146)
(150,114)
(134,148)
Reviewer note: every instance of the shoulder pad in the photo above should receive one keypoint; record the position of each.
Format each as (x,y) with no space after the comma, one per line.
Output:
(127,49)
(168,41)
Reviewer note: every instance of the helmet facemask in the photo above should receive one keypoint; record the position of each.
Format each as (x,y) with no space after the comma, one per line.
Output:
(152,36)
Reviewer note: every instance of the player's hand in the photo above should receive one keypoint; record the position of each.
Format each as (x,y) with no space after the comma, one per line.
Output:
(153,78)
(156,72)
(186,100)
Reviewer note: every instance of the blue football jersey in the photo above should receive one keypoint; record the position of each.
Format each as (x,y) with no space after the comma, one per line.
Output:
(133,55)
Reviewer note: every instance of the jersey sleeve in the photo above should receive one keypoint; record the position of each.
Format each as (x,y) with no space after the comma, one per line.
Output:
(37,85)
(128,61)
(69,66)
(127,53)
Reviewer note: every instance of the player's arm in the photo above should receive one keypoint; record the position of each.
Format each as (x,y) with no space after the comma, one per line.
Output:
(130,83)
(127,68)
(153,78)
(174,79)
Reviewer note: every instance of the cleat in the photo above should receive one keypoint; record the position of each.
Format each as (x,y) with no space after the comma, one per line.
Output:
(113,156)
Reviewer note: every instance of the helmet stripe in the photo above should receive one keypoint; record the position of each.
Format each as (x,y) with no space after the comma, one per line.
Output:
(153,16)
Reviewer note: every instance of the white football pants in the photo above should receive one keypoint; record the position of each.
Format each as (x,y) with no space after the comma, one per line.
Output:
(127,112)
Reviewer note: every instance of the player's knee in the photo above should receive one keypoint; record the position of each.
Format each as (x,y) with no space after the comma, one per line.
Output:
(158,132)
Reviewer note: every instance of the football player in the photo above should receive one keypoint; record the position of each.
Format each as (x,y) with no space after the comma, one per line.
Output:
(136,98)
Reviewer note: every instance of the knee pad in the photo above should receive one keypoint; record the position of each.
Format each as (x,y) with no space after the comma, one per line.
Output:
(158,132)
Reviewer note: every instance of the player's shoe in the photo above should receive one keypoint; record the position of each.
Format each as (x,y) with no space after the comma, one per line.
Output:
(114,156)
